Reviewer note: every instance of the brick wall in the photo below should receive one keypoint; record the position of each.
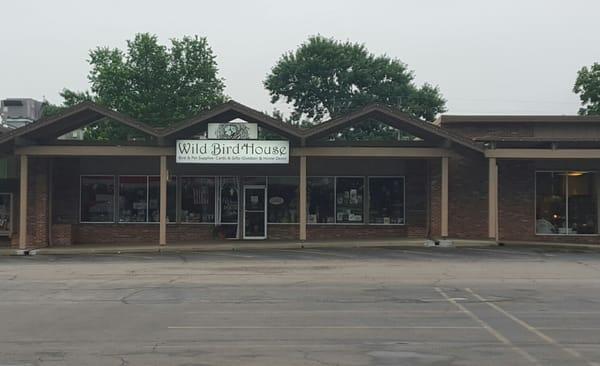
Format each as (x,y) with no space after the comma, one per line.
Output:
(467,198)
(516,205)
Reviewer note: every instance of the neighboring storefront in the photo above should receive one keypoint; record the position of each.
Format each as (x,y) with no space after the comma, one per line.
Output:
(235,173)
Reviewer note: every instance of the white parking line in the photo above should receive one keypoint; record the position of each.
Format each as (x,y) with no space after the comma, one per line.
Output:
(267,312)
(489,328)
(533,330)
(318,327)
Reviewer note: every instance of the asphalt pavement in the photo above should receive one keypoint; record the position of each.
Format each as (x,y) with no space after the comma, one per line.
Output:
(362,306)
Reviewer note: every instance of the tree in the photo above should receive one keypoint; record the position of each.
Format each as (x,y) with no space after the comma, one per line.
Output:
(150,82)
(587,86)
(324,78)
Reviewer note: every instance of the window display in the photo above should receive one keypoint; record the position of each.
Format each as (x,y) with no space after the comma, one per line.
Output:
(349,200)
(133,199)
(154,199)
(566,203)
(198,199)
(97,198)
(386,200)
(5,213)
(321,200)
(282,200)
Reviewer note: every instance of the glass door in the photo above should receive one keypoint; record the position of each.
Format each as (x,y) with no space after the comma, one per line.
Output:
(255,212)
(5,214)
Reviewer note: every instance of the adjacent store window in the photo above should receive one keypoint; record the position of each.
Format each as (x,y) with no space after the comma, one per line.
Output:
(133,199)
(566,203)
(97,198)
(198,199)
(282,199)
(321,206)
(154,199)
(386,200)
(349,199)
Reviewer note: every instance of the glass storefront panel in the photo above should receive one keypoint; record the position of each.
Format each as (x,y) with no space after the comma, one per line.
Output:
(321,201)
(582,203)
(386,200)
(154,199)
(198,199)
(349,200)
(133,199)
(566,203)
(5,213)
(97,198)
(282,203)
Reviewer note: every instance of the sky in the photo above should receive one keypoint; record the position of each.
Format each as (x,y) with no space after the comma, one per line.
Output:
(486,56)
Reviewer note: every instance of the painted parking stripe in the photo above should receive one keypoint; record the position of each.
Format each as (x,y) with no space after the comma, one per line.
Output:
(546,338)
(499,336)
(321,327)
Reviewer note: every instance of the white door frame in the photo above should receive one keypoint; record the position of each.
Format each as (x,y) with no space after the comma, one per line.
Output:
(264,188)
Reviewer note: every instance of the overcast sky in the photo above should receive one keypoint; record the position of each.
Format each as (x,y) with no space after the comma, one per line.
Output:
(488,57)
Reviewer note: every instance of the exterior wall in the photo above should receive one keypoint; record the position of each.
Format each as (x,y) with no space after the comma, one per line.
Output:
(67,230)
(468,198)
(516,201)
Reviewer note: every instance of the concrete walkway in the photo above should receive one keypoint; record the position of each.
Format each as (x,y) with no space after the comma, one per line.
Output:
(232,245)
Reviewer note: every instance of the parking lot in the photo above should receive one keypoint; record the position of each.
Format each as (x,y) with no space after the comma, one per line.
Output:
(369,306)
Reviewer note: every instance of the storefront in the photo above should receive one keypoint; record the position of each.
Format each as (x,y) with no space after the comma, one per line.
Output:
(236,174)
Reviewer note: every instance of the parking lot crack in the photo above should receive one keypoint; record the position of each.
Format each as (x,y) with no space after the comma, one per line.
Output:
(126,297)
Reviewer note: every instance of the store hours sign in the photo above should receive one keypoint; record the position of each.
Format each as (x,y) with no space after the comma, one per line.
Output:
(233,151)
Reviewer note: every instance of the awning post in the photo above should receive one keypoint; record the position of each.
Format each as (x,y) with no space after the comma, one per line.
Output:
(163,201)
(23,192)
(302,198)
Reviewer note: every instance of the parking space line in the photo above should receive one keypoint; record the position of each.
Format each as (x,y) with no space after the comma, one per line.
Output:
(327,311)
(321,327)
(490,329)
(546,338)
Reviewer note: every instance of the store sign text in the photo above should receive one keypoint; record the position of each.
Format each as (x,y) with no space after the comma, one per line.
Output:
(232,151)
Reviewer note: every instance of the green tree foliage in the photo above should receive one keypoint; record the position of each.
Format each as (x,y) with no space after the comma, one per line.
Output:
(150,82)
(587,86)
(324,78)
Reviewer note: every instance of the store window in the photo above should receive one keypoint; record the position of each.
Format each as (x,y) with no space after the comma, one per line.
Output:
(386,200)
(321,206)
(133,199)
(566,203)
(349,200)
(282,199)
(154,199)
(198,199)
(97,198)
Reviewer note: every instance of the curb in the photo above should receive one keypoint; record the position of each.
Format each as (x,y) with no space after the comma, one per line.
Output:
(241,246)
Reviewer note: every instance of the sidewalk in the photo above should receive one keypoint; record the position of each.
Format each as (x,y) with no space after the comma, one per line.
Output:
(226,246)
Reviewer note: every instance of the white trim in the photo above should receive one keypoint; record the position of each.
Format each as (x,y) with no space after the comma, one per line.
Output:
(264,188)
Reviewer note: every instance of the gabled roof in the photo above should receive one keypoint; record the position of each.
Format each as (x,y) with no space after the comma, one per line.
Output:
(71,119)
(394,118)
(449,118)
(88,112)
(226,112)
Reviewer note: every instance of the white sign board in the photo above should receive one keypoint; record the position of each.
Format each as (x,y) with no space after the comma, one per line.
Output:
(233,151)
(232,131)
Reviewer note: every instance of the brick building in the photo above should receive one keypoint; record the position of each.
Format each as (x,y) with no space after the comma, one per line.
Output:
(214,177)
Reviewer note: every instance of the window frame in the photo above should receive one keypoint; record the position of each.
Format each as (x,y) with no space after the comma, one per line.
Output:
(268,177)
(403,177)
(535,196)
(180,179)
(115,209)
(118,194)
